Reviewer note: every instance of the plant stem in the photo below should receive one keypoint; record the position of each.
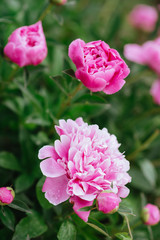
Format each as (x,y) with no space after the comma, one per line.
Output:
(129,229)
(150,232)
(144,145)
(46,11)
(65,104)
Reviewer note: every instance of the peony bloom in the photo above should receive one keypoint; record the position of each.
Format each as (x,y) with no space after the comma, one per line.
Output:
(150,214)
(147,54)
(99,67)
(108,202)
(82,164)
(155,91)
(59,2)
(6,195)
(143,17)
(27,45)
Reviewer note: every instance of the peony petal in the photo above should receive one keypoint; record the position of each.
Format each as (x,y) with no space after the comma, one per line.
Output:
(114,86)
(75,52)
(123,192)
(134,53)
(62,146)
(95,84)
(50,168)
(55,189)
(79,203)
(46,152)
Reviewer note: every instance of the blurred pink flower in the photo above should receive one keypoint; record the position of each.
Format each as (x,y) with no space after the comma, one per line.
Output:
(108,202)
(6,195)
(147,54)
(99,67)
(155,91)
(150,214)
(143,17)
(27,45)
(83,163)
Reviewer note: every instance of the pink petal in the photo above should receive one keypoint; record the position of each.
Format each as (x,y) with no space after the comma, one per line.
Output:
(79,203)
(134,53)
(75,52)
(95,84)
(51,168)
(114,86)
(46,152)
(123,192)
(55,189)
(62,146)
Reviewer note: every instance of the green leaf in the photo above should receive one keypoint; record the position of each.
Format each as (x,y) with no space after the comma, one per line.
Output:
(58,80)
(67,231)
(69,72)
(123,236)
(31,226)
(85,209)
(148,171)
(40,195)
(19,205)
(8,161)
(124,210)
(139,181)
(98,229)
(23,182)
(7,218)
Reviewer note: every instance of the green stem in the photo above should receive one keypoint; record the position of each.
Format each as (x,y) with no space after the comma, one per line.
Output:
(13,73)
(150,232)
(144,145)
(67,103)
(46,11)
(129,229)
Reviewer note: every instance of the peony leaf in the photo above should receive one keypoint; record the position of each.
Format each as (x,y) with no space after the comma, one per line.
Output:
(67,231)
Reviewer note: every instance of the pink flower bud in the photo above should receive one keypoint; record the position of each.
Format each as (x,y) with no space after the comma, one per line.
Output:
(6,195)
(27,45)
(108,202)
(155,91)
(150,214)
(59,2)
(143,17)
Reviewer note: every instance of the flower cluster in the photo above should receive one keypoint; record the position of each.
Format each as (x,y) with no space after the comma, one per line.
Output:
(82,164)
(99,67)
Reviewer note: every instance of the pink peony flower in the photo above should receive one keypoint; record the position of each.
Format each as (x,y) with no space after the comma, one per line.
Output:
(27,45)
(143,17)
(82,164)
(155,91)
(108,202)
(147,54)
(99,67)
(150,214)
(6,195)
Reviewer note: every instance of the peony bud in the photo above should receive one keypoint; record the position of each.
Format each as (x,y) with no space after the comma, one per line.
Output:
(6,195)
(150,214)
(108,202)
(155,91)
(27,45)
(59,2)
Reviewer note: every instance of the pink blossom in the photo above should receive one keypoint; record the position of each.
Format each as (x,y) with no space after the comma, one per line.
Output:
(150,214)
(27,45)
(99,67)
(147,54)
(83,163)
(6,195)
(108,202)
(143,17)
(155,91)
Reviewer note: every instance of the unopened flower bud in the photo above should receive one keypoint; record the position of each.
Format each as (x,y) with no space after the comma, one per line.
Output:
(6,195)
(150,214)
(108,202)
